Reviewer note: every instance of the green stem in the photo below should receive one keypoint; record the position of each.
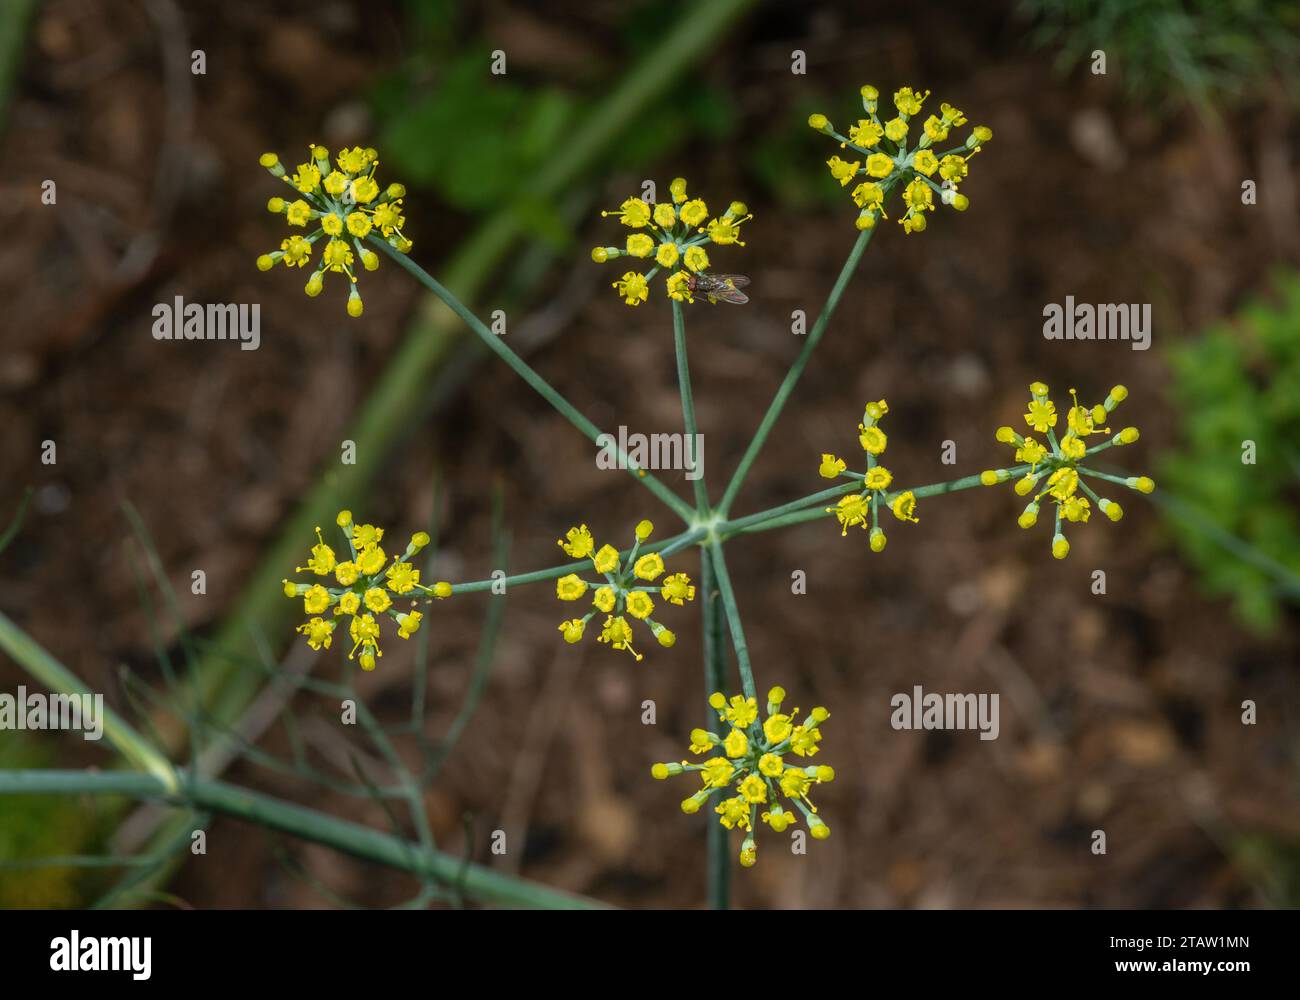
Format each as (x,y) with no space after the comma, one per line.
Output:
(796,371)
(674,543)
(28,654)
(688,409)
(733,620)
(796,512)
(273,814)
(715,679)
(530,375)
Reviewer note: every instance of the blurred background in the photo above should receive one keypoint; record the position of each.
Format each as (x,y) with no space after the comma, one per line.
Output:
(1119,712)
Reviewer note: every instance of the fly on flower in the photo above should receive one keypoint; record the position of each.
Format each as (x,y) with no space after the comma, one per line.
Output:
(674,235)
(720,287)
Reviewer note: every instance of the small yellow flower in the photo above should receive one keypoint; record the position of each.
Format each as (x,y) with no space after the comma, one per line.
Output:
(402,577)
(577,543)
(639,605)
(880,165)
(831,466)
(851,510)
(872,439)
(693,213)
(604,599)
(865,133)
(316,600)
(843,170)
(904,507)
(606,559)
(649,567)
(878,478)
(633,213)
(319,632)
(618,634)
(377,600)
(909,101)
(570,588)
(640,245)
(632,288)
(409,623)
(736,744)
(677,588)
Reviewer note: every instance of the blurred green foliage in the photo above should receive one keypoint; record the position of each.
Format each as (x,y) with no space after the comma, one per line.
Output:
(1240,381)
(38,826)
(447,124)
(1217,54)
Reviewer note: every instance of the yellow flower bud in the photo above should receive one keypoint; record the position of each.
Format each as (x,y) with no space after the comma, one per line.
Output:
(644,529)
(1127,436)
(1142,484)
(344,518)
(265,262)
(659,771)
(442,589)
(877,540)
(1060,547)
(419,540)
(819,122)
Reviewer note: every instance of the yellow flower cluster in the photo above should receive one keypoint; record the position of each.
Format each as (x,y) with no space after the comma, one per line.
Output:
(858,508)
(367,583)
(881,159)
(343,201)
(673,234)
(625,592)
(751,761)
(1057,463)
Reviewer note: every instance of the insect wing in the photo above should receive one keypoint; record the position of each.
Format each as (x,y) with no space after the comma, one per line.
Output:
(727,288)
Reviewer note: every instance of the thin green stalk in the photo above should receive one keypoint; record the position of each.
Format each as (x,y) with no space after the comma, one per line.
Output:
(321,828)
(796,371)
(28,654)
(530,375)
(740,524)
(796,512)
(688,409)
(715,679)
(733,620)
(674,543)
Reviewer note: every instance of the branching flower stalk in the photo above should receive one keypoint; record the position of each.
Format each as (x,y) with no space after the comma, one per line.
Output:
(673,235)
